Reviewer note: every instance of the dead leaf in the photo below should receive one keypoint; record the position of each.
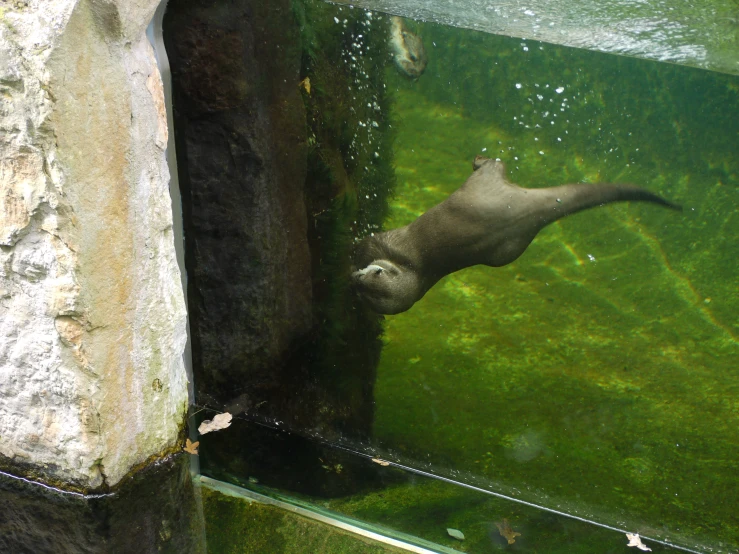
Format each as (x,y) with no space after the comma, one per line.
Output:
(191,447)
(305,83)
(221,421)
(506,532)
(383,463)
(635,540)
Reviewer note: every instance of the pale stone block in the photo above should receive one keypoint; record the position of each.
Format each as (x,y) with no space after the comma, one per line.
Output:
(92,312)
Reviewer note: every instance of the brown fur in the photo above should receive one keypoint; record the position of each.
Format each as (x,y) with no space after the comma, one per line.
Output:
(488,221)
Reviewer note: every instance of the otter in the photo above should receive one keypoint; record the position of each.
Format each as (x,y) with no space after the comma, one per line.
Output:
(488,221)
(408,52)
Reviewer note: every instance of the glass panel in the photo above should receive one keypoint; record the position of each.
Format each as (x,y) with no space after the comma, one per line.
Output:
(699,33)
(591,378)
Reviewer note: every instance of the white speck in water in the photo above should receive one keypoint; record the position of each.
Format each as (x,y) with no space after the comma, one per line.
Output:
(484,149)
(591,257)
(541,152)
(518,85)
(336,19)
(559,90)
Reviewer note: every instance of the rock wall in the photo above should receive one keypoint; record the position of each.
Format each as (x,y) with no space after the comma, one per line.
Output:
(92,315)
(285,157)
(242,148)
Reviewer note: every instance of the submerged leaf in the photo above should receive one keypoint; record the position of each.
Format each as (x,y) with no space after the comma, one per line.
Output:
(456,533)
(305,83)
(221,421)
(507,532)
(191,447)
(635,540)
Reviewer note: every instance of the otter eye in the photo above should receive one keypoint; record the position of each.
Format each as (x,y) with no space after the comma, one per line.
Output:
(379,270)
(413,58)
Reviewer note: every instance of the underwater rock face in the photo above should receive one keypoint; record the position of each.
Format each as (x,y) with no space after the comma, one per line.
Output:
(242,148)
(92,315)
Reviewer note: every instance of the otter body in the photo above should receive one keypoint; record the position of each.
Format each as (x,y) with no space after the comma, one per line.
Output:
(487,221)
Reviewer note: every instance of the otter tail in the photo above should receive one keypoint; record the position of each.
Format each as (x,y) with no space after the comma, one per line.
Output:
(568,199)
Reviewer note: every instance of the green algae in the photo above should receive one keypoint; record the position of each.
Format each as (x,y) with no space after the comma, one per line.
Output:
(446,506)
(596,374)
(599,369)
(236,525)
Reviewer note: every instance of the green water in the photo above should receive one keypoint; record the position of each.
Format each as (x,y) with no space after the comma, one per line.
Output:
(597,373)
(595,376)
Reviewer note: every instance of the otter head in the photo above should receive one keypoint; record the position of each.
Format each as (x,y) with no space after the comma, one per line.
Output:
(386,287)
(407,49)
(413,60)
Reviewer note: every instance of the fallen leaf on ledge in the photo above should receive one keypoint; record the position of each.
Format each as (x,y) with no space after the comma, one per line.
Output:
(305,83)
(221,421)
(383,463)
(635,540)
(191,447)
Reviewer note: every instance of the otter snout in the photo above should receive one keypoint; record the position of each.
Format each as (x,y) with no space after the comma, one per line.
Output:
(386,287)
